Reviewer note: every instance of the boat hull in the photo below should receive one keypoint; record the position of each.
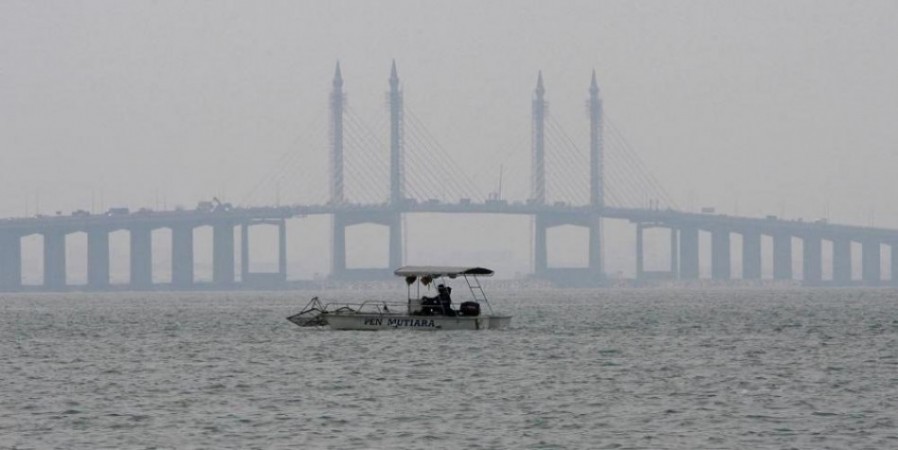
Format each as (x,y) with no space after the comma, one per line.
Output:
(362,321)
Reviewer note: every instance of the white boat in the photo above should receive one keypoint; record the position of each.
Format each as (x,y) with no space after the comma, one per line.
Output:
(418,311)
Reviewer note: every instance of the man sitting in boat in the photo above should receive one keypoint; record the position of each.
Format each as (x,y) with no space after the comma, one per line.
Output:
(445,299)
(439,305)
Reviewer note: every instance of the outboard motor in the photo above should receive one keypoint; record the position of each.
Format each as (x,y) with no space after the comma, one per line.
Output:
(469,309)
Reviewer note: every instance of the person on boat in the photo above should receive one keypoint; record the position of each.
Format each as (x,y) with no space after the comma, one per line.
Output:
(431,305)
(445,299)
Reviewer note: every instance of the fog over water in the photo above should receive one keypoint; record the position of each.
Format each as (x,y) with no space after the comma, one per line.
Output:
(753,108)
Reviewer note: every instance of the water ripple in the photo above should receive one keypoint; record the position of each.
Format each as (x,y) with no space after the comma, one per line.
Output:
(749,368)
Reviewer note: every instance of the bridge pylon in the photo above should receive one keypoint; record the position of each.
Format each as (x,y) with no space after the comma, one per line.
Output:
(593,273)
(391,217)
(596,180)
(397,169)
(337,102)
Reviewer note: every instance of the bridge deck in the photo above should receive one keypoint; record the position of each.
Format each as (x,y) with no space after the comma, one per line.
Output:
(660,217)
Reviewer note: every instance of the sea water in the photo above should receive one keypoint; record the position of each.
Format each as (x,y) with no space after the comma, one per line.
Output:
(639,368)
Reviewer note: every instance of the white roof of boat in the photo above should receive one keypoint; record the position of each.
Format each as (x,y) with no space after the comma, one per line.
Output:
(440,271)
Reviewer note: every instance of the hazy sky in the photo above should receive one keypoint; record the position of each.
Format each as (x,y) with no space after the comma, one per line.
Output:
(761,107)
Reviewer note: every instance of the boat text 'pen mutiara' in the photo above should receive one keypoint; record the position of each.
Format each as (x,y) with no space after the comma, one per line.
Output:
(419,311)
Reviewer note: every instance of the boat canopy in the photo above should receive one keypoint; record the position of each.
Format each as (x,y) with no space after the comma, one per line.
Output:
(441,271)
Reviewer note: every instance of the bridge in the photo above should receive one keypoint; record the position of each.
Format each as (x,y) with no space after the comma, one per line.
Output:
(582,199)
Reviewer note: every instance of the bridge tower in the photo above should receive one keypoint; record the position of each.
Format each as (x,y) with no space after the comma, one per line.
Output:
(538,176)
(391,216)
(596,179)
(338,101)
(548,216)
(538,163)
(338,232)
(397,172)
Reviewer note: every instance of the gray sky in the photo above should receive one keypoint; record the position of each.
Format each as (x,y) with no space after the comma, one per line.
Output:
(762,107)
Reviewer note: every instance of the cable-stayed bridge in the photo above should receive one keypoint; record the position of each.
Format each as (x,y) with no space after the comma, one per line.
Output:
(373,180)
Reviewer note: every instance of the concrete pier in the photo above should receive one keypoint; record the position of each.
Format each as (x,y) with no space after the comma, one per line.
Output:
(812,261)
(182,256)
(395,255)
(841,262)
(141,258)
(720,255)
(782,256)
(674,253)
(871,262)
(689,253)
(540,252)
(223,270)
(10,261)
(54,260)
(250,278)
(343,220)
(751,255)
(282,249)
(893,247)
(98,258)
(244,252)
(640,253)
(338,245)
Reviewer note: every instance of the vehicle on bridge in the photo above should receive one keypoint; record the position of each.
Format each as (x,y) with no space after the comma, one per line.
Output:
(418,312)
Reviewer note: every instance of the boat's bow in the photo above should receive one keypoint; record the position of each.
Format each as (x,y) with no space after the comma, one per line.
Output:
(313,315)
